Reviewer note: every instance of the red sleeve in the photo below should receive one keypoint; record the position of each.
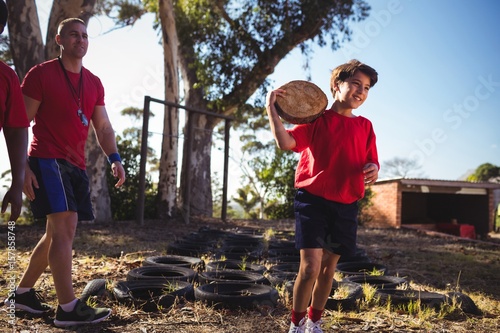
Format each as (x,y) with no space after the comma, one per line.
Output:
(12,109)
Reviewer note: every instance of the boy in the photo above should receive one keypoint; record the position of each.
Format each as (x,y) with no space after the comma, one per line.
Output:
(338,157)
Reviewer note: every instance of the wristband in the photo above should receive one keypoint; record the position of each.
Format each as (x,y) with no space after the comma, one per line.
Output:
(114,157)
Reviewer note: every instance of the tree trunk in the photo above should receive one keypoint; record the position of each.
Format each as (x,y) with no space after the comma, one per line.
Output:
(25,35)
(167,184)
(196,193)
(97,169)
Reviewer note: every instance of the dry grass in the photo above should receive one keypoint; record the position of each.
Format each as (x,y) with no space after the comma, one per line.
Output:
(430,263)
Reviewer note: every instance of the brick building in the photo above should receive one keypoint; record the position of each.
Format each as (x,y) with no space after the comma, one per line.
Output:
(433,204)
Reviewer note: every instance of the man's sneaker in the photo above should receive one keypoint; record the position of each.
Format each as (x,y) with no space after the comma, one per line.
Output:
(298,329)
(30,301)
(313,326)
(82,314)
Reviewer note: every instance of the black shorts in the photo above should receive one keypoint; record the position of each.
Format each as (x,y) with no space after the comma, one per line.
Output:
(320,223)
(62,187)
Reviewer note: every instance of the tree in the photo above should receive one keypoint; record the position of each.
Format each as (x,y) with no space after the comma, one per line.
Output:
(228,49)
(486,172)
(401,168)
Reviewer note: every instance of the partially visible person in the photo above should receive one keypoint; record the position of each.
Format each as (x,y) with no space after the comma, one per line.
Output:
(338,157)
(14,121)
(64,99)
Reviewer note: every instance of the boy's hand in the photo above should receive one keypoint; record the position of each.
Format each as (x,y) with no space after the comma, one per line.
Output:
(370,172)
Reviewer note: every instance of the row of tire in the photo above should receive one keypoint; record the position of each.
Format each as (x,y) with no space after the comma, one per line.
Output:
(235,275)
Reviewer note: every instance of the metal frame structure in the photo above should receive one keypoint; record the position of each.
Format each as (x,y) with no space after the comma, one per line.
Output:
(144,149)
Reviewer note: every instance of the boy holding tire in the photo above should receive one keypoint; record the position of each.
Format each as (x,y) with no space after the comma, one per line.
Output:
(338,158)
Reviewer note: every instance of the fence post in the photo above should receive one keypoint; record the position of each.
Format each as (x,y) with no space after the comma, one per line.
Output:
(142,164)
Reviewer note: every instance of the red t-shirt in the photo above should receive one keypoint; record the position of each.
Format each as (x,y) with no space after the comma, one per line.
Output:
(58,131)
(12,110)
(334,149)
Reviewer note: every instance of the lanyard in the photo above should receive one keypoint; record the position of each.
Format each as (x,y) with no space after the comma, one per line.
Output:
(76,95)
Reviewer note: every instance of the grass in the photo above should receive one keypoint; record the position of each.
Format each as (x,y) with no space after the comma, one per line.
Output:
(429,264)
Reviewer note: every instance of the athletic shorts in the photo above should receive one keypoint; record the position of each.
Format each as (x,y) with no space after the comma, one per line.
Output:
(62,187)
(320,223)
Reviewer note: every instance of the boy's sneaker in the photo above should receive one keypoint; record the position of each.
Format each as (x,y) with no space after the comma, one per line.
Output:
(313,326)
(298,329)
(82,314)
(30,301)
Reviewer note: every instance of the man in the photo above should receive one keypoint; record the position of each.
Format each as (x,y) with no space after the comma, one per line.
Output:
(63,98)
(15,125)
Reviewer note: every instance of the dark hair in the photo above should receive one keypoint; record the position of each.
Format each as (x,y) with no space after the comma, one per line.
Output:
(67,21)
(347,70)
(4,13)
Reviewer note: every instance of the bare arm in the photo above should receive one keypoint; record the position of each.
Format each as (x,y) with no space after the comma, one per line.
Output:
(30,180)
(107,140)
(283,139)
(16,140)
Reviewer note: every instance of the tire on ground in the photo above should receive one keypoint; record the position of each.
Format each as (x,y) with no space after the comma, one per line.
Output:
(96,287)
(344,295)
(152,295)
(174,260)
(361,268)
(232,276)
(404,297)
(379,282)
(164,272)
(234,265)
(239,295)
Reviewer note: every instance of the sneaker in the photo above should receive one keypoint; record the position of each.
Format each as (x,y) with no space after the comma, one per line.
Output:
(298,329)
(30,301)
(313,326)
(82,314)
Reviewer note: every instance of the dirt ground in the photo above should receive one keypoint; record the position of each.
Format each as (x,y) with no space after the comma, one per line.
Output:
(431,262)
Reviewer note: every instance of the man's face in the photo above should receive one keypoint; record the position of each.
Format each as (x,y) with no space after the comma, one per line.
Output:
(73,39)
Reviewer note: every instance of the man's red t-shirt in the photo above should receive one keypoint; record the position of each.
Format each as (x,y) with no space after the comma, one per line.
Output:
(334,149)
(58,131)
(12,110)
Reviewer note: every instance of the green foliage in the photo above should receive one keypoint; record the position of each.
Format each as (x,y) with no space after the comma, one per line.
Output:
(486,172)
(124,199)
(364,205)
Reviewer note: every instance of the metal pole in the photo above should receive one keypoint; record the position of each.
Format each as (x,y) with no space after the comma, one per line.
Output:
(142,164)
(227,128)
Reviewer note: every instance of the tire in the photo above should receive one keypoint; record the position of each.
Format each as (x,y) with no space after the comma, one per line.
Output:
(344,295)
(231,276)
(96,287)
(234,265)
(242,295)
(283,252)
(379,282)
(277,278)
(165,272)
(175,260)
(283,259)
(404,297)
(467,305)
(239,253)
(150,295)
(360,268)
(286,267)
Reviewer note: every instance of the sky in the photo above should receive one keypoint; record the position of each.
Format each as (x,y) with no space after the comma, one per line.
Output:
(437,99)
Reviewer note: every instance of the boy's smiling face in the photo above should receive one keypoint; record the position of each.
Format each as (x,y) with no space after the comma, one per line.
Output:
(352,93)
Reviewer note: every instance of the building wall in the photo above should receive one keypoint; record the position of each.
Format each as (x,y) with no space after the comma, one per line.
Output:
(386,208)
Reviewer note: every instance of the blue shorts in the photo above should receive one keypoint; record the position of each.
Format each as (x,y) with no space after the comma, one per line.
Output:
(62,187)
(320,223)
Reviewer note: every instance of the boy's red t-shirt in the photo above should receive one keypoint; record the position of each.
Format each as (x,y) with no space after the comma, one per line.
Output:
(12,110)
(334,149)
(58,131)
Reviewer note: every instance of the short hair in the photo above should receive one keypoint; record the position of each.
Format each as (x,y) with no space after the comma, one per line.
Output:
(347,70)
(4,13)
(63,23)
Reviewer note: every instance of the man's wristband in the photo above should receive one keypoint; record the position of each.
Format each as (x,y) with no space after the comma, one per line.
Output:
(114,157)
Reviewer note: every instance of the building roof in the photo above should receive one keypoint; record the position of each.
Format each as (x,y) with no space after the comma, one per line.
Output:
(441,183)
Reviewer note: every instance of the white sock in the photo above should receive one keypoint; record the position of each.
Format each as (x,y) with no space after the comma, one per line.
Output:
(68,307)
(20,290)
